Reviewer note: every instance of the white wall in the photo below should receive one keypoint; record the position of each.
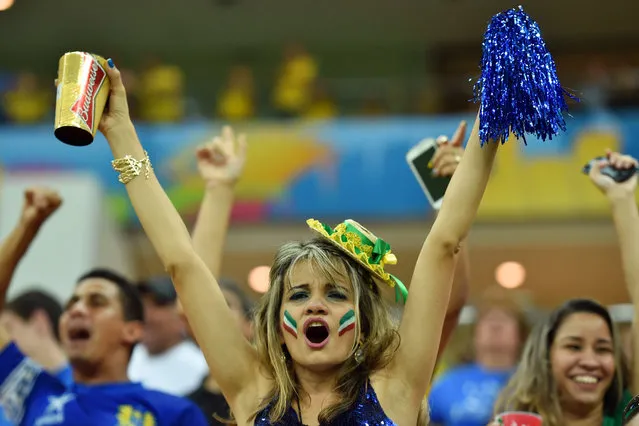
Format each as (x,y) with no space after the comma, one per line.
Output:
(78,237)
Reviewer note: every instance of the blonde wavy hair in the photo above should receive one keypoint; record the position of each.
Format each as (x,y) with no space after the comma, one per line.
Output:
(376,332)
(533,388)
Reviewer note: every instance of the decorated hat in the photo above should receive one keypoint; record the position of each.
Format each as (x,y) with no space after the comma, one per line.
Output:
(371,252)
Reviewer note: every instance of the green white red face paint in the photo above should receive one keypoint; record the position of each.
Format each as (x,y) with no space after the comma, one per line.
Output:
(289,324)
(346,323)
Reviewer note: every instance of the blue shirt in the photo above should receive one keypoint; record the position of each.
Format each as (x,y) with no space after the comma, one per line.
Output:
(32,397)
(64,375)
(466,395)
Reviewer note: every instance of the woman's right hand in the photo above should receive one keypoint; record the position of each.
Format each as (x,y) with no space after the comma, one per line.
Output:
(449,152)
(222,160)
(116,112)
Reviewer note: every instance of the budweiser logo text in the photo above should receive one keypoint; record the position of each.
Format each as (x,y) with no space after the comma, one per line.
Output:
(84,106)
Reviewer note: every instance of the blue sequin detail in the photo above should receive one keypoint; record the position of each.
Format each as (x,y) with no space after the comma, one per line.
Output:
(367,412)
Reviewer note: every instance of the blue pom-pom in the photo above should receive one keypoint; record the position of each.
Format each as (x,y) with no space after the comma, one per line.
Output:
(518,90)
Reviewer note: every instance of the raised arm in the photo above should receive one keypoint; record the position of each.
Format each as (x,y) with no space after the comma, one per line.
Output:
(231,359)
(430,288)
(445,162)
(39,204)
(457,301)
(220,163)
(626,220)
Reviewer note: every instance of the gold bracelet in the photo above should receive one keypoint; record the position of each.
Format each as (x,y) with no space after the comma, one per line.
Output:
(130,168)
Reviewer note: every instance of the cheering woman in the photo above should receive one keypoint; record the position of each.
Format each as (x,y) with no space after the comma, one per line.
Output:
(326,350)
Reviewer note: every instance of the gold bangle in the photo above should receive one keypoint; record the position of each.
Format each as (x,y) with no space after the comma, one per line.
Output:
(130,168)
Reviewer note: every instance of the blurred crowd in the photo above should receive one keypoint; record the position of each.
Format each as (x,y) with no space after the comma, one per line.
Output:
(158,93)
(496,350)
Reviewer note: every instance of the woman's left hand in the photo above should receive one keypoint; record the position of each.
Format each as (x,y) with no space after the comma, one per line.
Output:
(116,112)
(607,185)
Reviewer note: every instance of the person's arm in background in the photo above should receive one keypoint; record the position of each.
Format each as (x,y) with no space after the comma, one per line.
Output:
(431,285)
(220,164)
(39,205)
(445,162)
(458,298)
(20,380)
(626,220)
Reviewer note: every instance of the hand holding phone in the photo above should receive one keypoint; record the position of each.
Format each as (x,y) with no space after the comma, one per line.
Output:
(614,173)
(433,162)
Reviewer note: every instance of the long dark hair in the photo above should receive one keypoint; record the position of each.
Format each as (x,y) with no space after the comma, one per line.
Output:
(532,387)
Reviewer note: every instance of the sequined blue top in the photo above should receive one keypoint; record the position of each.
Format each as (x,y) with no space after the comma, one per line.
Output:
(366,412)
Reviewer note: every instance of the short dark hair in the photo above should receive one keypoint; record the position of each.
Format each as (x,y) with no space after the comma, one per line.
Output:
(130,298)
(26,304)
(232,286)
(159,289)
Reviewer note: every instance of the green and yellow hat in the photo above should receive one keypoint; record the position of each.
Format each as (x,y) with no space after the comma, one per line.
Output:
(362,245)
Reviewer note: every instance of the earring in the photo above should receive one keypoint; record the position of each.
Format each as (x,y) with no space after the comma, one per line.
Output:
(359,353)
(283,357)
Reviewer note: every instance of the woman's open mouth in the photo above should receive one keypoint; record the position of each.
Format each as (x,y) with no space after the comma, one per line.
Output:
(316,333)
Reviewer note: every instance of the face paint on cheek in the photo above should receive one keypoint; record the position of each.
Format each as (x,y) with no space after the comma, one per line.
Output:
(289,324)
(346,323)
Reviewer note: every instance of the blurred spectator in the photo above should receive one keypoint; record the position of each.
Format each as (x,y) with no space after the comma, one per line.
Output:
(428,100)
(625,86)
(32,321)
(373,106)
(209,397)
(161,93)
(626,337)
(465,395)
(6,81)
(166,360)
(596,87)
(26,102)
(132,84)
(321,105)
(294,85)
(236,101)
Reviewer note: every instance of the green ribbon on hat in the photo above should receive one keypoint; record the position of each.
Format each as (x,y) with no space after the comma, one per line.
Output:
(374,256)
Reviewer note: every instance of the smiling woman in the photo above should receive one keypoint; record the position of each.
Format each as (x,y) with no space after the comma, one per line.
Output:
(574,357)
(572,370)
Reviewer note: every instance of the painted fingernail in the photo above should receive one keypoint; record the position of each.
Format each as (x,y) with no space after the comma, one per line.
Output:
(434,172)
(430,164)
(110,62)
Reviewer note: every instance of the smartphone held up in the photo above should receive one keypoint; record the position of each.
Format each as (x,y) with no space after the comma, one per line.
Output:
(419,159)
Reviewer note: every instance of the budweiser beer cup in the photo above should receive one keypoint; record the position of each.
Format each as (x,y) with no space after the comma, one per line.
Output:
(82,92)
